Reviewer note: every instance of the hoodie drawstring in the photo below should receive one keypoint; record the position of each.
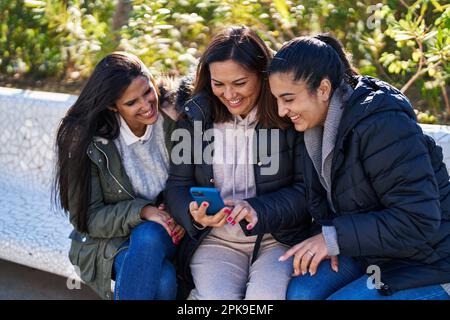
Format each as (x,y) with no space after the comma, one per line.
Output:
(235,158)
(246,165)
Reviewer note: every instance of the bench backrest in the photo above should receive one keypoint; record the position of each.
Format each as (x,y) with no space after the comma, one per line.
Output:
(29,120)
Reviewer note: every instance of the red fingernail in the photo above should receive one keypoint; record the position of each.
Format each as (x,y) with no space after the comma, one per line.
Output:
(205,204)
(230,219)
(227,211)
(233,223)
(249,226)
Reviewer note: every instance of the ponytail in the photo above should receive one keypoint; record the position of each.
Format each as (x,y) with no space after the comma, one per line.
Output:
(349,71)
(312,59)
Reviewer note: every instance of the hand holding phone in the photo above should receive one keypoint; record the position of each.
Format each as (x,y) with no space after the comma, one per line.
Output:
(210,195)
(208,208)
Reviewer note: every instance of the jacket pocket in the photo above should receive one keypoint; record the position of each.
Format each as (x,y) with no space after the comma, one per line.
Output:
(83,254)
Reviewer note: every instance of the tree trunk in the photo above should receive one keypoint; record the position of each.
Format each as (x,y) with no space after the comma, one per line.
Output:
(121,14)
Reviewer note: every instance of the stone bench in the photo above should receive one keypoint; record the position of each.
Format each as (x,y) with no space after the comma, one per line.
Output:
(31,233)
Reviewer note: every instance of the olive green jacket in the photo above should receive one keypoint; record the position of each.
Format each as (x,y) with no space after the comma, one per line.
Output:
(114,210)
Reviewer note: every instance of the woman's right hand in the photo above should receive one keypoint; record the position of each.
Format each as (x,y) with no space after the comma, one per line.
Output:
(199,215)
(158,215)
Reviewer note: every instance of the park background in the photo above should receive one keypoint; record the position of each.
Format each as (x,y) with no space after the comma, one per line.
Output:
(54,45)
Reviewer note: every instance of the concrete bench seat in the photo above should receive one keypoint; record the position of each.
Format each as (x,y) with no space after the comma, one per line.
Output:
(31,233)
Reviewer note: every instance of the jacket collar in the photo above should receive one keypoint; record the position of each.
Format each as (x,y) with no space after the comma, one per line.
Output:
(371,96)
(198,108)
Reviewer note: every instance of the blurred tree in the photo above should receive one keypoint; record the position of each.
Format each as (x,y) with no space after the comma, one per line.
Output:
(405,42)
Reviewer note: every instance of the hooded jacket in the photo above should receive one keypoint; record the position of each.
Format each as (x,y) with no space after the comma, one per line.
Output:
(389,188)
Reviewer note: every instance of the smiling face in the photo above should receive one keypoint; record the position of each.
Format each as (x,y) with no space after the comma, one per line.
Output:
(138,105)
(236,87)
(305,109)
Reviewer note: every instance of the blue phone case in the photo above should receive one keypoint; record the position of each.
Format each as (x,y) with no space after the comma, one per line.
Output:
(210,195)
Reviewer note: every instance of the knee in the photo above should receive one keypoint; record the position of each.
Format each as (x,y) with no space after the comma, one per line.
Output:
(263,290)
(149,234)
(257,294)
(297,290)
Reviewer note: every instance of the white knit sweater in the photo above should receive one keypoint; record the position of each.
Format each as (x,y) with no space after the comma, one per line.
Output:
(145,159)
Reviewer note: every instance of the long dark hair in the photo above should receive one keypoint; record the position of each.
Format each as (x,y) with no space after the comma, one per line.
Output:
(245,47)
(89,116)
(312,59)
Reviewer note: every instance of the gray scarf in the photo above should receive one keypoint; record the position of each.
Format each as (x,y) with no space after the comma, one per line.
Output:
(320,141)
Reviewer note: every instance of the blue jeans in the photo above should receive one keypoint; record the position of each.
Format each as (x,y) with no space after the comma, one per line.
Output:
(144,270)
(358,290)
(350,283)
(325,282)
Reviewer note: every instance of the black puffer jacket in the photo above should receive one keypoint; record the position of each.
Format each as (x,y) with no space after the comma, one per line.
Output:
(280,197)
(390,189)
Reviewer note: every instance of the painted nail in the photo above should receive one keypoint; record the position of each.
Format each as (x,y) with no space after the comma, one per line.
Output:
(249,226)
(230,219)
(233,223)
(227,211)
(205,204)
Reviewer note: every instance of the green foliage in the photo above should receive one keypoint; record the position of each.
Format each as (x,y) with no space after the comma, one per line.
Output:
(53,37)
(405,42)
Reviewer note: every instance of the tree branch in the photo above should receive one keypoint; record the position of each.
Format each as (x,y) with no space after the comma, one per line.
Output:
(446,101)
(419,72)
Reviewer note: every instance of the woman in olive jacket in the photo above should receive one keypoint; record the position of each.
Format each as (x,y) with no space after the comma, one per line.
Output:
(113,156)
(375,183)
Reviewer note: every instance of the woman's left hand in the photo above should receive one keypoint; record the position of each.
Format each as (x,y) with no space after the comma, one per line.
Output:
(177,230)
(309,254)
(242,210)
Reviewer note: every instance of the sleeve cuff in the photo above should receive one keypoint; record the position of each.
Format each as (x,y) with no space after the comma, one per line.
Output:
(330,236)
(197,226)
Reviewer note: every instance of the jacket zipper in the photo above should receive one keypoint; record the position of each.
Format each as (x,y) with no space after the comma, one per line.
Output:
(107,167)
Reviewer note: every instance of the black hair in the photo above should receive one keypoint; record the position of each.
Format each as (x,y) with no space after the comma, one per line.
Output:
(312,59)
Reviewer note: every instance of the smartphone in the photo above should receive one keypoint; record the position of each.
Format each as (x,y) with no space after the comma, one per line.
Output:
(210,195)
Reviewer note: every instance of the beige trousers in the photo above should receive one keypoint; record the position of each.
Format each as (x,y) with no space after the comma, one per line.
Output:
(222,270)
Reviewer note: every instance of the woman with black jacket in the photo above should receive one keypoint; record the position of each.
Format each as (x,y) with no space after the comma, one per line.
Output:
(375,183)
(231,142)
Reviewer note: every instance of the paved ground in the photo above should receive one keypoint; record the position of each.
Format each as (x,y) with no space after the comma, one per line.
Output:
(18,282)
